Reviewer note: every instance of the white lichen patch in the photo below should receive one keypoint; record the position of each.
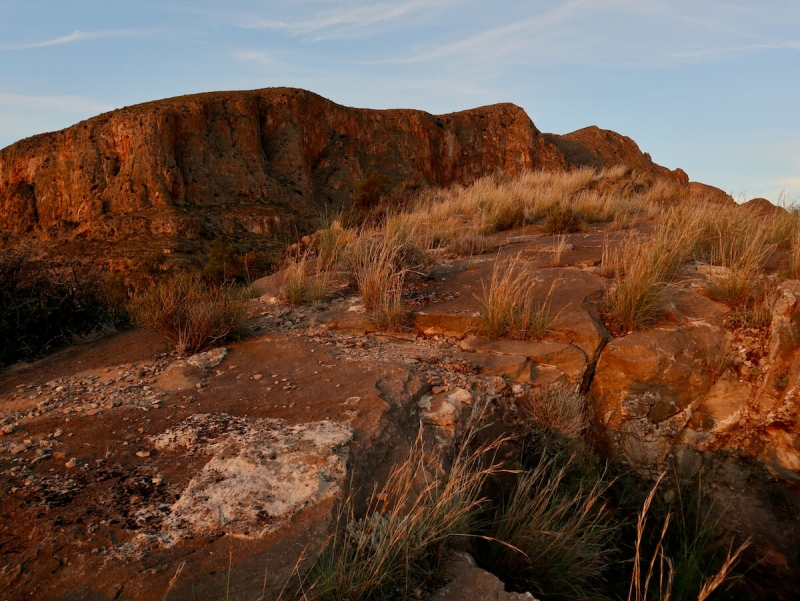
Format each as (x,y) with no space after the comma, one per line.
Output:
(262,473)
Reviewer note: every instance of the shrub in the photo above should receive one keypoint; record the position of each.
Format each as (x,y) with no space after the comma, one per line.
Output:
(189,312)
(223,264)
(42,308)
(562,219)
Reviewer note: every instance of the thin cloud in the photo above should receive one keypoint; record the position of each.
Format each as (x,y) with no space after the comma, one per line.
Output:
(579,32)
(717,52)
(75,36)
(346,20)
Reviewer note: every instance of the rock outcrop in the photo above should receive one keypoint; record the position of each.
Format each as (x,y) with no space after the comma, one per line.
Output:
(601,148)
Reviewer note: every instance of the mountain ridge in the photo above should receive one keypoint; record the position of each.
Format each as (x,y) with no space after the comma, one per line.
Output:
(256,162)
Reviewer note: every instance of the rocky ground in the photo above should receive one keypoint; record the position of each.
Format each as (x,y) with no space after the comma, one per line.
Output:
(120,461)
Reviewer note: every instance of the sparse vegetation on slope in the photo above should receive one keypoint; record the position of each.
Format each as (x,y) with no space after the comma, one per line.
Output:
(43,308)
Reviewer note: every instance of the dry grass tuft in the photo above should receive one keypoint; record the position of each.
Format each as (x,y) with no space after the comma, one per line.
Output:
(558,409)
(189,312)
(719,359)
(643,266)
(742,249)
(293,283)
(470,244)
(509,306)
(562,219)
(380,262)
(559,248)
(661,571)
(332,244)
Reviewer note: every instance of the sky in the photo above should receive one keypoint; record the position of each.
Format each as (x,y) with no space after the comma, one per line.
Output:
(712,87)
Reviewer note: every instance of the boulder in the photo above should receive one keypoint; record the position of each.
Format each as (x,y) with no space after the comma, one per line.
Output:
(646,387)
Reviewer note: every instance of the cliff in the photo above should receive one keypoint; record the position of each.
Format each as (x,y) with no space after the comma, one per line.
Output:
(239,163)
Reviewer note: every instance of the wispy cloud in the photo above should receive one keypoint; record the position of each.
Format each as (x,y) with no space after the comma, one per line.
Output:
(719,52)
(605,32)
(75,36)
(342,22)
(70,104)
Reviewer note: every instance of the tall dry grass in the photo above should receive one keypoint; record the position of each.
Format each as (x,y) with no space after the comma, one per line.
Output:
(556,537)
(405,528)
(509,304)
(662,577)
(380,262)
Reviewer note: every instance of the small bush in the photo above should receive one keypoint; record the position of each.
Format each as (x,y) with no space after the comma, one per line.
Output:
(562,219)
(223,264)
(42,308)
(189,312)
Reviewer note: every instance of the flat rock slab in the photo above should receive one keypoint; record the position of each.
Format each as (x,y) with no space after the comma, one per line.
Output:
(261,473)
(566,357)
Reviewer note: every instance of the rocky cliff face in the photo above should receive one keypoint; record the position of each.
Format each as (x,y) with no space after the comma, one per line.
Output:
(245,162)
(285,151)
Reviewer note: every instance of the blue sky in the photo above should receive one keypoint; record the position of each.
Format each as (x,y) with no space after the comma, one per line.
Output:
(712,87)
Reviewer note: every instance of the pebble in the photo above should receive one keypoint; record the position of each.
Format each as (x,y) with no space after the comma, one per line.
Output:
(71,463)
(18,448)
(257,376)
(143,454)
